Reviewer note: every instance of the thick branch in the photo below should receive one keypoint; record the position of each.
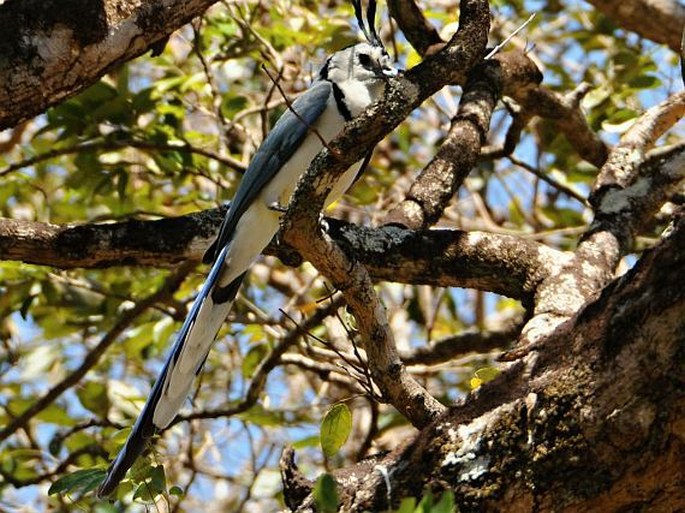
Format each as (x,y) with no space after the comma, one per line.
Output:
(620,211)
(594,425)
(417,29)
(622,167)
(565,112)
(661,21)
(52,50)
(161,242)
(437,183)
(498,263)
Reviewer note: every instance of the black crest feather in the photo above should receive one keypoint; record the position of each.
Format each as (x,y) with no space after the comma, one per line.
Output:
(368,28)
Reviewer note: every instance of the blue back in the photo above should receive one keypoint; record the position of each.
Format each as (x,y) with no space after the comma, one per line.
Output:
(278,147)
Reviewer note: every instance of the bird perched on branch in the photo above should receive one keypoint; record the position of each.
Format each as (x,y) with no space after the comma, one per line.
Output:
(350,81)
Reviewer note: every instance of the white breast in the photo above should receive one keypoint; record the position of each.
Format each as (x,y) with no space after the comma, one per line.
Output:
(282,185)
(260,222)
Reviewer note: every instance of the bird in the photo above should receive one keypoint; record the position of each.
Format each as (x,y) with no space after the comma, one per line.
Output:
(348,83)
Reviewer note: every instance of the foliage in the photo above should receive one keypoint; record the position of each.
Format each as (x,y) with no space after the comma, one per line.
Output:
(335,429)
(326,494)
(168,135)
(427,504)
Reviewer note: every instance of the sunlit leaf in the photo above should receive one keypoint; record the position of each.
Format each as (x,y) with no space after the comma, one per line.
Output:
(263,417)
(335,428)
(154,484)
(93,397)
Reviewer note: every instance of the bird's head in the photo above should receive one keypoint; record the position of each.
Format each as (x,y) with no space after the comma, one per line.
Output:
(362,62)
(368,62)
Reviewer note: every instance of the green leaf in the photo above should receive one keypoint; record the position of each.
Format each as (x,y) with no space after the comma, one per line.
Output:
(408,505)
(483,375)
(487,373)
(446,504)
(83,479)
(262,417)
(309,441)
(645,82)
(176,490)
(620,121)
(230,106)
(143,101)
(619,127)
(154,485)
(253,358)
(335,429)
(326,494)
(93,397)
(105,507)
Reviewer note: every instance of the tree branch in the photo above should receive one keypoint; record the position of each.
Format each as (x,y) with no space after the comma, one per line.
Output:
(581,424)
(417,29)
(619,211)
(444,174)
(659,20)
(452,347)
(51,51)
(505,264)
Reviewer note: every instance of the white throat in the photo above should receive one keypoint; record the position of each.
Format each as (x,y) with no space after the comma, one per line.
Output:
(359,95)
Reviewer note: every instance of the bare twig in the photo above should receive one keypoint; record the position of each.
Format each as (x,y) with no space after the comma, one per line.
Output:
(73,457)
(458,345)
(549,180)
(501,45)
(265,367)
(226,125)
(110,144)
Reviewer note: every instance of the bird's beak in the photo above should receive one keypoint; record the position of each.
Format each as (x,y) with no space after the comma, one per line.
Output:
(389,71)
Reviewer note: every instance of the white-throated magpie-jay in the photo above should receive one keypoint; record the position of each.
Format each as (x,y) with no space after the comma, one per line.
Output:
(350,81)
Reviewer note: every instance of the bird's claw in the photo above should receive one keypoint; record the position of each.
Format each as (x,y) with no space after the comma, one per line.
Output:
(277,207)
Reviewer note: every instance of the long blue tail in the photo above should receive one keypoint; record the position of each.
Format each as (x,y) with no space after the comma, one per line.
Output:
(183,364)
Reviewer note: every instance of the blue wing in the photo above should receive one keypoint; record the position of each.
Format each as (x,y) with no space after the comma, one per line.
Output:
(281,143)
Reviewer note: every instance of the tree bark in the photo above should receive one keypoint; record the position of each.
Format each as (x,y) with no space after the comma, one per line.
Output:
(659,20)
(592,420)
(50,50)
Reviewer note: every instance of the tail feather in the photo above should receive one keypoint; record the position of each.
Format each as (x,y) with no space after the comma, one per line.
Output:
(185,361)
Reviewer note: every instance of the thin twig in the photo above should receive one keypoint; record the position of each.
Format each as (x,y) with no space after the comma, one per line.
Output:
(226,125)
(73,457)
(265,367)
(497,48)
(115,145)
(550,181)
(361,370)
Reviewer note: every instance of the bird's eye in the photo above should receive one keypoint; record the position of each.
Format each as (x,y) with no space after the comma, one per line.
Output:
(364,59)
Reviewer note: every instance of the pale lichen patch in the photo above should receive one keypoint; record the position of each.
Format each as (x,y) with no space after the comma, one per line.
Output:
(469,439)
